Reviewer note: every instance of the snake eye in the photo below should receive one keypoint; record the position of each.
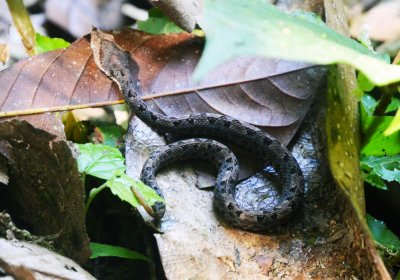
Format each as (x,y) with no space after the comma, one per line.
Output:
(274,216)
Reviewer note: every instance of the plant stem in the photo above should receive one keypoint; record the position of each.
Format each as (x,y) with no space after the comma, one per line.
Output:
(142,201)
(92,194)
(23,24)
(386,98)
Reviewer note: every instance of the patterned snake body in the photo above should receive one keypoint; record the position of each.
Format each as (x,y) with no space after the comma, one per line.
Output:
(118,65)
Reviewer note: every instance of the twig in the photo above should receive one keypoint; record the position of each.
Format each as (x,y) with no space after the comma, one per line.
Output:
(386,98)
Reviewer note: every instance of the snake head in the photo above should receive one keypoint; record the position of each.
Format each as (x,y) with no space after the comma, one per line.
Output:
(158,209)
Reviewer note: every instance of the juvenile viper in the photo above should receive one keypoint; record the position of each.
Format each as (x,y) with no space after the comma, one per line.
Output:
(119,66)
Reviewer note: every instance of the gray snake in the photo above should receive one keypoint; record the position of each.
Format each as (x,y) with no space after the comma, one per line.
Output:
(201,128)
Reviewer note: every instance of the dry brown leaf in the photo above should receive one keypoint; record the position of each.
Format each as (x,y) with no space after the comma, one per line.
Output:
(274,94)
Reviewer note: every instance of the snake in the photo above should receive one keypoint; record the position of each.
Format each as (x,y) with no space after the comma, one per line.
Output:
(200,135)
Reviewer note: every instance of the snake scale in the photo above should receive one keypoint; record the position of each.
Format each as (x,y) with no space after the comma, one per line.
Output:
(201,128)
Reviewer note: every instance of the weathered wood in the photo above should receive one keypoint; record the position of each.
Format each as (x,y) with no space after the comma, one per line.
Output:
(45,193)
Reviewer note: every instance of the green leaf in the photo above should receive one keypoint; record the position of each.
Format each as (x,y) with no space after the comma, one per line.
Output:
(382,234)
(247,28)
(385,167)
(375,142)
(364,84)
(374,180)
(100,160)
(158,23)
(394,125)
(109,134)
(45,44)
(368,104)
(103,250)
(121,187)
(394,105)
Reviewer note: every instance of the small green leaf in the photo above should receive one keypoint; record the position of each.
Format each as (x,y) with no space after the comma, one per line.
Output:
(121,187)
(385,167)
(394,105)
(394,125)
(100,160)
(281,35)
(373,179)
(103,250)
(158,23)
(109,134)
(45,44)
(382,234)
(375,142)
(368,103)
(364,83)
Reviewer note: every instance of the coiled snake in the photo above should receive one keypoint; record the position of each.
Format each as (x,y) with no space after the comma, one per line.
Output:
(119,66)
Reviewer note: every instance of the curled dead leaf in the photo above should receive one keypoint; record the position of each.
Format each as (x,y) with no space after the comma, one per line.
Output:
(273,94)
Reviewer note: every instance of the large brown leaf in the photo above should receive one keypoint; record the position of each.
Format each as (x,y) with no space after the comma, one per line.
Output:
(273,94)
